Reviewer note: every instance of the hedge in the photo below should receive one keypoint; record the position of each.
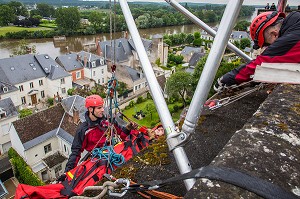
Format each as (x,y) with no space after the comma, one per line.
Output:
(23,172)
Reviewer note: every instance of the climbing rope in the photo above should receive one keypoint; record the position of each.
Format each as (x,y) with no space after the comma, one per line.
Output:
(108,153)
(108,187)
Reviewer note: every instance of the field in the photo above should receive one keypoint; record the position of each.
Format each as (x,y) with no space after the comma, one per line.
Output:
(6,29)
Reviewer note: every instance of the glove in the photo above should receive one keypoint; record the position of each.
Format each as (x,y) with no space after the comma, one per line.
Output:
(61,178)
(131,126)
(219,86)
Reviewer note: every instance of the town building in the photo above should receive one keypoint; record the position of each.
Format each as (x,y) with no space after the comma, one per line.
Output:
(123,51)
(44,139)
(86,68)
(30,79)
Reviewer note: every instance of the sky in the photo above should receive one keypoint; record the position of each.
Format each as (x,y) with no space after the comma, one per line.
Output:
(246,2)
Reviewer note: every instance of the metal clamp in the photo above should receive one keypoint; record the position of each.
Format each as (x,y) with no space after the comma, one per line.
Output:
(177,140)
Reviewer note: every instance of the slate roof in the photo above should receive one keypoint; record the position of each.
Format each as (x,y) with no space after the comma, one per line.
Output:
(28,67)
(134,74)
(239,35)
(54,159)
(122,50)
(8,106)
(146,42)
(75,102)
(21,69)
(90,57)
(10,88)
(5,164)
(157,36)
(188,50)
(195,58)
(70,62)
(162,81)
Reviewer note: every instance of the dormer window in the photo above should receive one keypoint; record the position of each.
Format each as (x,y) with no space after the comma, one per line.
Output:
(93,64)
(101,61)
(2,113)
(5,89)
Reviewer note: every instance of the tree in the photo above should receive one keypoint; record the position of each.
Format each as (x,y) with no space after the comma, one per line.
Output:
(6,15)
(45,10)
(25,112)
(68,19)
(23,48)
(150,108)
(179,83)
(242,25)
(96,19)
(245,42)
(18,8)
(189,38)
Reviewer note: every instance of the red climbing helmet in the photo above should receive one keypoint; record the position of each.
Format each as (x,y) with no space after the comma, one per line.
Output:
(93,101)
(260,23)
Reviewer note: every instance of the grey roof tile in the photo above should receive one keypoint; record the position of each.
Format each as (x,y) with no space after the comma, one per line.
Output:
(75,102)
(146,42)
(8,106)
(195,58)
(123,49)
(21,68)
(188,50)
(54,159)
(70,61)
(134,74)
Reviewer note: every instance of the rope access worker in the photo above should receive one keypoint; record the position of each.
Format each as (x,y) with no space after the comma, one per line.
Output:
(281,36)
(91,133)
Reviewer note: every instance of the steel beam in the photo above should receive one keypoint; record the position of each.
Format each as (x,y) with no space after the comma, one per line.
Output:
(211,66)
(173,137)
(208,29)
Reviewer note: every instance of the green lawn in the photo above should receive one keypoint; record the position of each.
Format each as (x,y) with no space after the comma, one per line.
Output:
(6,29)
(147,121)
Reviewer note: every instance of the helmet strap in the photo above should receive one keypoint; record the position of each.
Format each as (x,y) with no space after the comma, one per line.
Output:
(93,113)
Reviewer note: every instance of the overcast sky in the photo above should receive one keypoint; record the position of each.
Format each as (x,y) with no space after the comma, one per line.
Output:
(246,2)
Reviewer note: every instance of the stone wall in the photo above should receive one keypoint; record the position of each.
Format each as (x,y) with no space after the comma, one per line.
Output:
(267,147)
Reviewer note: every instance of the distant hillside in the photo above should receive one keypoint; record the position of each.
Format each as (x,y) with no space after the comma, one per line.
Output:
(89,3)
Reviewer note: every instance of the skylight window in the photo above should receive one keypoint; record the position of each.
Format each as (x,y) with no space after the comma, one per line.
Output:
(46,56)
(12,68)
(46,68)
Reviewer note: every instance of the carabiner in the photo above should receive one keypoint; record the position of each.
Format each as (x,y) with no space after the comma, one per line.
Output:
(123,181)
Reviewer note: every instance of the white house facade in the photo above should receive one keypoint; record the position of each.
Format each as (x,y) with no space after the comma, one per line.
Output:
(33,77)
(8,114)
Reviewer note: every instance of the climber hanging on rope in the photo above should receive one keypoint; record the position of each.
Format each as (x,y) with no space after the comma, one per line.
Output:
(92,133)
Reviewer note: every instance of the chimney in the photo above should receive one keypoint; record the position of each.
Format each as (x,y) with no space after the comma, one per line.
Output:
(85,60)
(98,47)
(75,116)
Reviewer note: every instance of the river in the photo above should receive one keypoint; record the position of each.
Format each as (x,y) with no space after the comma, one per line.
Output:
(75,44)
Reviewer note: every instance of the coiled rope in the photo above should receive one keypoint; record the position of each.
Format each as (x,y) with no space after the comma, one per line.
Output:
(108,153)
